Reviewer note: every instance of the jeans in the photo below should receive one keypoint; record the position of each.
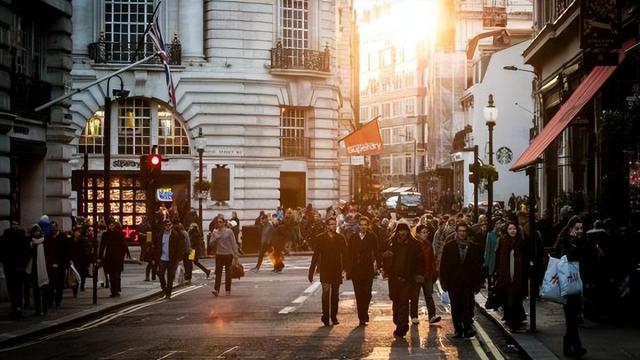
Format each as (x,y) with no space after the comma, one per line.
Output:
(362,289)
(223,260)
(166,267)
(330,296)
(427,289)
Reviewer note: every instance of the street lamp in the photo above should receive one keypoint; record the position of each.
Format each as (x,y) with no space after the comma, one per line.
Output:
(490,116)
(515,68)
(200,145)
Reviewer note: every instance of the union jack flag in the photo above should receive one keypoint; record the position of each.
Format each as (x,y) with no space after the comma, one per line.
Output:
(158,43)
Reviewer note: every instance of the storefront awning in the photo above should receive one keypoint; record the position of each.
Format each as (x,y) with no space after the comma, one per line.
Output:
(583,93)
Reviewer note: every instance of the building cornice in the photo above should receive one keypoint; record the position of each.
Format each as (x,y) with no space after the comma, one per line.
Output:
(547,36)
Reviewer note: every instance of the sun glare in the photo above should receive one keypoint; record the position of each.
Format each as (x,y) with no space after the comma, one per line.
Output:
(411,21)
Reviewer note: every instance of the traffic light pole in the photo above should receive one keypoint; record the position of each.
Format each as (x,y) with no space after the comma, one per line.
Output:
(476,165)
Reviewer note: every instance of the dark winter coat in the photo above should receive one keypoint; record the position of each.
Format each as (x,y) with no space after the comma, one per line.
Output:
(516,286)
(457,276)
(361,255)
(113,248)
(329,256)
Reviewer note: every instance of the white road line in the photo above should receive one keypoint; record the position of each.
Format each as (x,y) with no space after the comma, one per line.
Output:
(221,356)
(117,354)
(287,310)
(312,288)
(478,349)
(484,337)
(300,299)
(169,354)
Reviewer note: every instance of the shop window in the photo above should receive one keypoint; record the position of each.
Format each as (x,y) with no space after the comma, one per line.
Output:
(91,138)
(172,137)
(134,127)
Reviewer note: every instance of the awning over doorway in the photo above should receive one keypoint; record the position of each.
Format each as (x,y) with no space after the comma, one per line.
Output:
(585,91)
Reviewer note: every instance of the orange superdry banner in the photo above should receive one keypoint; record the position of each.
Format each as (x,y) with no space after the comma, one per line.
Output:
(366,141)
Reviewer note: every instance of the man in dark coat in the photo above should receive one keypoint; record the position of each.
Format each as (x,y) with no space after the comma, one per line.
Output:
(59,243)
(14,253)
(404,265)
(329,256)
(362,250)
(460,275)
(169,251)
(113,249)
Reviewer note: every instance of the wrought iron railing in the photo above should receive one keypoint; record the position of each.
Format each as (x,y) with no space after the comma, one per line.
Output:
(27,93)
(295,147)
(102,51)
(300,59)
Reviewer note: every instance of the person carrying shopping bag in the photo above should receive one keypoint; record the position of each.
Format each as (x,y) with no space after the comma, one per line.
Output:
(226,252)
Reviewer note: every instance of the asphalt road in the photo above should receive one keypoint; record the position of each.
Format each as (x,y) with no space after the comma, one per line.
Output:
(267,316)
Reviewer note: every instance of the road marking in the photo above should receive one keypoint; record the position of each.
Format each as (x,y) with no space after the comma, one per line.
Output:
(170,354)
(383,318)
(484,337)
(117,354)
(478,349)
(221,356)
(312,288)
(287,310)
(300,299)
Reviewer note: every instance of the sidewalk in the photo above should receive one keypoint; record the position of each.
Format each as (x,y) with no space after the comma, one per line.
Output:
(601,341)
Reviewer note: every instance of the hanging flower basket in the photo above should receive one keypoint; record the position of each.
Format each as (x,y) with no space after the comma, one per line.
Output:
(201,188)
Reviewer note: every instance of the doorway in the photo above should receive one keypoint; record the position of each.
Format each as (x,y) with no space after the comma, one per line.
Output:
(293,189)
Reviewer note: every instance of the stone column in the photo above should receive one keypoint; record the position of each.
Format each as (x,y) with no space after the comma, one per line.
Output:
(191,33)
(83,27)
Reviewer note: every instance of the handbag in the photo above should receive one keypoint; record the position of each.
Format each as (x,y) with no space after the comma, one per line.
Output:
(192,254)
(237,270)
(550,289)
(569,275)
(70,279)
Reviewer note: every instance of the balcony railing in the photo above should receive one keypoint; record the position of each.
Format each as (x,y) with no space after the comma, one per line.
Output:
(103,52)
(299,147)
(300,59)
(27,93)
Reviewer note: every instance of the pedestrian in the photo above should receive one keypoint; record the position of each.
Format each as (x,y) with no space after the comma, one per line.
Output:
(460,276)
(38,269)
(404,266)
(430,277)
(234,221)
(329,256)
(226,252)
(572,242)
(80,256)
(113,249)
(169,251)
(197,244)
(14,253)
(511,280)
(363,261)
(490,255)
(59,243)
(267,234)
(186,262)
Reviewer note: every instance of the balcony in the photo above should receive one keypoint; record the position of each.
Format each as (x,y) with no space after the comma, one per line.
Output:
(107,52)
(295,147)
(27,93)
(288,61)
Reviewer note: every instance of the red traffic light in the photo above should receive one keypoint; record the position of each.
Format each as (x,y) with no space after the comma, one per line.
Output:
(155,159)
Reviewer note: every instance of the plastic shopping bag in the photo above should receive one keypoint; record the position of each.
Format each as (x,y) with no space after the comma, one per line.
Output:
(569,274)
(550,289)
(180,274)
(445,298)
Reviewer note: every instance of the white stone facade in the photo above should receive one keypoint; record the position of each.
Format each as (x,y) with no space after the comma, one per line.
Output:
(230,94)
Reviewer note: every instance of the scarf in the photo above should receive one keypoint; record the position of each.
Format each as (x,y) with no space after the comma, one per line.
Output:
(463,245)
(41,263)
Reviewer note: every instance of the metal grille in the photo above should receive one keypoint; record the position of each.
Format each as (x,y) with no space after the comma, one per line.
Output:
(134,127)
(292,140)
(125,22)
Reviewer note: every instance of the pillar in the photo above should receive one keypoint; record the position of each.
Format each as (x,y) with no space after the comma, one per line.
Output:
(191,33)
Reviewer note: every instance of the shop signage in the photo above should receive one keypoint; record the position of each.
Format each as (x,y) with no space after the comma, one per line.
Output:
(357,160)
(125,164)
(599,24)
(164,194)
(226,152)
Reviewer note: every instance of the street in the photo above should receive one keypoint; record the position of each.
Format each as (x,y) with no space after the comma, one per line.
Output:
(268,315)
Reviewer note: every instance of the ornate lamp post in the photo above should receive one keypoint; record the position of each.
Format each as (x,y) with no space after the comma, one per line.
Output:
(490,117)
(200,145)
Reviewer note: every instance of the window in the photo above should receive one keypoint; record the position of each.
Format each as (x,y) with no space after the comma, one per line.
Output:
(409,80)
(385,165)
(409,162)
(364,113)
(172,137)
(386,136)
(295,24)
(134,126)
(397,164)
(411,133)
(127,199)
(375,110)
(398,108)
(386,110)
(409,106)
(91,138)
(124,24)
(292,140)
(397,135)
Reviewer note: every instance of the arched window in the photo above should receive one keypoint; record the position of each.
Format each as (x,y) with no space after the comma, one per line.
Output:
(91,138)
(139,123)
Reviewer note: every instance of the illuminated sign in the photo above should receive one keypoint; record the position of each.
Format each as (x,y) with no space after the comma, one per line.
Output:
(164,194)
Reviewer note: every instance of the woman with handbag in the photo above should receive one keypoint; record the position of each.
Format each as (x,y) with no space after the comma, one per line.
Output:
(511,280)
(571,242)
(226,252)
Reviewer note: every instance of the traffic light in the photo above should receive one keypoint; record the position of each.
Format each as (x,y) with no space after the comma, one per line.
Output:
(155,165)
(474,173)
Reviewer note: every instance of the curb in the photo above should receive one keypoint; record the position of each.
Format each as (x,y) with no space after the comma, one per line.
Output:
(528,345)
(98,310)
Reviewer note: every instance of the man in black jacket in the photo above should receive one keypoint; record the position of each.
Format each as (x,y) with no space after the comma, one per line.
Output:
(404,264)
(329,256)
(169,251)
(14,252)
(460,275)
(362,249)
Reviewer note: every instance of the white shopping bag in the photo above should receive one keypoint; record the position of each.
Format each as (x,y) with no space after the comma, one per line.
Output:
(550,289)
(569,274)
(180,274)
(445,298)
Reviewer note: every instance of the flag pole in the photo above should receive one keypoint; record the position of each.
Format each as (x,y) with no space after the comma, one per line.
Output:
(146,30)
(374,119)
(75,91)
